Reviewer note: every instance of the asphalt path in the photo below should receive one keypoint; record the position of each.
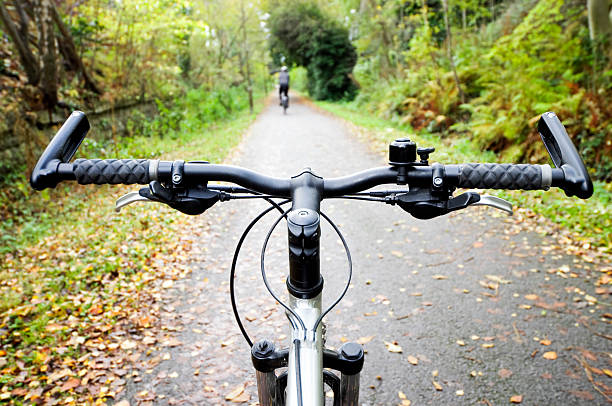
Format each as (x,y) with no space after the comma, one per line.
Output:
(455,310)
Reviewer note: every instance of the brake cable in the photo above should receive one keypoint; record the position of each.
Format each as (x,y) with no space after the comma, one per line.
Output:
(350,270)
(263,270)
(237,252)
(235,260)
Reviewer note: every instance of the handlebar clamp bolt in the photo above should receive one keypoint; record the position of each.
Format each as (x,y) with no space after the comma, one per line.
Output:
(437,182)
(176,178)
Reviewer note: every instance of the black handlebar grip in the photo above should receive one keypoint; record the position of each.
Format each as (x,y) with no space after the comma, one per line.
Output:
(501,176)
(111,171)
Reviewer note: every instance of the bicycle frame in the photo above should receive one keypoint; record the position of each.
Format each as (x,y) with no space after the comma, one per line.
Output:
(305,370)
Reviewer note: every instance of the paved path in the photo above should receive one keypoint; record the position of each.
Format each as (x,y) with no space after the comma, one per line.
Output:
(468,298)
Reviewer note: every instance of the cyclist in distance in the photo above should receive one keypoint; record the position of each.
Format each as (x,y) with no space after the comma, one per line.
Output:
(283,84)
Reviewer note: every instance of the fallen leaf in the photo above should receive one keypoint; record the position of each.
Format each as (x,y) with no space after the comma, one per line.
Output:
(516,399)
(128,345)
(497,279)
(437,385)
(393,347)
(439,277)
(413,360)
(531,297)
(550,355)
(70,384)
(504,373)
(237,391)
(545,342)
(364,340)
(460,392)
(171,342)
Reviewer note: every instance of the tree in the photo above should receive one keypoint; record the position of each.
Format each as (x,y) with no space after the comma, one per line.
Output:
(302,34)
(39,58)
(600,20)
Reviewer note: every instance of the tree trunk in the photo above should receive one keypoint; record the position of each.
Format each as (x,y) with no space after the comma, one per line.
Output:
(71,51)
(449,50)
(245,44)
(46,40)
(23,19)
(30,63)
(600,26)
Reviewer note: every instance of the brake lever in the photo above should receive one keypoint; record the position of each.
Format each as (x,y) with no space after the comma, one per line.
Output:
(130,198)
(496,202)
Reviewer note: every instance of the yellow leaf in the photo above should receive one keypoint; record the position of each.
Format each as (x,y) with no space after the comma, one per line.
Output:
(393,347)
(531,297)
(413,360)
(545,342)
(401,395)
(237,391)
(461,342)
(550,355)
(364,340)
(437,385)
(516,399)
(439,277)
(128,345)
(497,279)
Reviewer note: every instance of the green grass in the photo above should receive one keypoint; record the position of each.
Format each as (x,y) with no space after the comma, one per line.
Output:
(589,220)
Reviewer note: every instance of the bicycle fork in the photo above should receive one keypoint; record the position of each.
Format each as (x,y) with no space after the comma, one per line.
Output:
(308,369)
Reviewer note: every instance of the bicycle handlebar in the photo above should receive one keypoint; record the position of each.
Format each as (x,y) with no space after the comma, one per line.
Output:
(570,174)
(472,175)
